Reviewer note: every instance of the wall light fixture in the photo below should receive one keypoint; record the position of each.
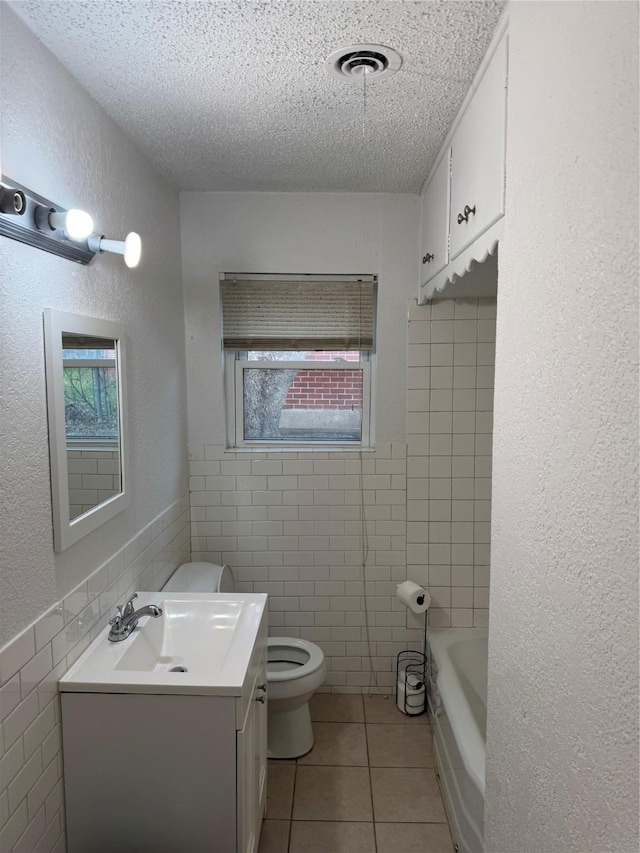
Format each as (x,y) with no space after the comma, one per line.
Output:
(36,221)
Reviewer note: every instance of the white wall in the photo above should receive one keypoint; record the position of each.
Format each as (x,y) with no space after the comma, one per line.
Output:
(293,233)
(57,141)
(562,763)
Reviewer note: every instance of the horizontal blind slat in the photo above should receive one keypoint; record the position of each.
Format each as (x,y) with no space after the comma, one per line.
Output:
(288,315)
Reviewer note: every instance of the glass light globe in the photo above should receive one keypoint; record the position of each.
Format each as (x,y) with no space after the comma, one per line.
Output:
(78,224)
(132,249)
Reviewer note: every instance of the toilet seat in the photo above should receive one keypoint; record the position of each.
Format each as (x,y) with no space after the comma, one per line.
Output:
(304,657)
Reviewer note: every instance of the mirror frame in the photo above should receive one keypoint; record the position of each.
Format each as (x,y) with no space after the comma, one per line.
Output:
(67,531)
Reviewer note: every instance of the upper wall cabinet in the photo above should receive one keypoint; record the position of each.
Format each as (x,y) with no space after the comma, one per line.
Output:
(463,201)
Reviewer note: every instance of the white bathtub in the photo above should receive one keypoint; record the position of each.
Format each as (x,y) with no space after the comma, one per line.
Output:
(458,708)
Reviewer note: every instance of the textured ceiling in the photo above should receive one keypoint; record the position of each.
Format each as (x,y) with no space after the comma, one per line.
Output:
(234,96)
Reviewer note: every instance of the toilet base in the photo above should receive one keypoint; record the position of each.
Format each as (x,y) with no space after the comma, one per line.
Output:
(290,733)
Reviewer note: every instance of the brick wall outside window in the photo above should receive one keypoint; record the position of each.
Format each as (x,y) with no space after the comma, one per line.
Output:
(326,389)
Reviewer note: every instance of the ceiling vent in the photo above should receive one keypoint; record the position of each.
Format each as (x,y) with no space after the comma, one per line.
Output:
(363,60)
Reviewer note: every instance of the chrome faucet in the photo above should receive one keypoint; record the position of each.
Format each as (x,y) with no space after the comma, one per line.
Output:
(127,618)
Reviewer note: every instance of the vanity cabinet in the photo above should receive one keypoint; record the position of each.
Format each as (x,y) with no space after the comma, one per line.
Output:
(167,772)
(463,203)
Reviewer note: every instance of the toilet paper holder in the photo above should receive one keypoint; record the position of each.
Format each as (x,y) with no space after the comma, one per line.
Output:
(411,682)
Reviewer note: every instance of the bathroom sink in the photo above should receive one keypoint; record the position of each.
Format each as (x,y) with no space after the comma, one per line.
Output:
(200,644)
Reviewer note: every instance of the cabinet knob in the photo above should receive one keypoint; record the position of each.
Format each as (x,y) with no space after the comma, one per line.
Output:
(262,686)
(262,698)
(464,216)
(426,259)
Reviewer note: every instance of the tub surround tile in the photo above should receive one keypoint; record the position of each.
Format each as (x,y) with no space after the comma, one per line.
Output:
(413,838)
(338,744)
(406,795)
(332,794)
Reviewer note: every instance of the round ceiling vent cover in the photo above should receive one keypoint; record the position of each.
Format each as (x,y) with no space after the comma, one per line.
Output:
(372,60)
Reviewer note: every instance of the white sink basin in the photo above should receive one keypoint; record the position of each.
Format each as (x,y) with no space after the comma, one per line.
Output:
(209,636)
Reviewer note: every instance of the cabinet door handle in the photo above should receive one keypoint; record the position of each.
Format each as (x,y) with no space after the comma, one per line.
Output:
(262,687)
(426,259)
(464,216)
(262,698)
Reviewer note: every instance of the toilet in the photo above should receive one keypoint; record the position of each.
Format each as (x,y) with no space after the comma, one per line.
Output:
(295,668)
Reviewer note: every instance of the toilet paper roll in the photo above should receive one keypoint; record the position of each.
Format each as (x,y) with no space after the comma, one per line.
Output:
(415,597)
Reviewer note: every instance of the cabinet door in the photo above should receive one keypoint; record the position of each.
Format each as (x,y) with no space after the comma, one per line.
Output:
(435,222)
(246,782)
(252,767)
(478,157)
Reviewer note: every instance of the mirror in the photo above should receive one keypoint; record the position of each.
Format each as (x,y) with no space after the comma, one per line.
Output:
(86,402)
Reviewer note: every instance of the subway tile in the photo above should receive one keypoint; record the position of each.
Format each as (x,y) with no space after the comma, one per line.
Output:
(9,696)
(298,498)
(442,331)
(24,781)
(48,625)
(461,575)
(486,353)
(16,654)
(486,330)
(35,734)
(418,355)
(20,719)
(487,307)
(442,355)
(419,332)
(461,618)
(34,831)
(14,827)
(283,513)
(54,801)
(43,787)
(442,309)
(466,309)
(464,400)
(417,378)
(11,764)
(465,331)
(465,354)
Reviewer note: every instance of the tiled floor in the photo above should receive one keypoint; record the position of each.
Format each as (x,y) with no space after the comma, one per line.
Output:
(367,786)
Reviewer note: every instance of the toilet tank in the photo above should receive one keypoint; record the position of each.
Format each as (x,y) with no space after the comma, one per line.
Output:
(200,577)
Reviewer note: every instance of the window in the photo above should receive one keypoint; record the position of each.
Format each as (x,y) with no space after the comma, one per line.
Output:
(90,390)
(299,353)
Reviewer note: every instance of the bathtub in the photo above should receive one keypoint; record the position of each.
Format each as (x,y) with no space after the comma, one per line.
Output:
(458,710)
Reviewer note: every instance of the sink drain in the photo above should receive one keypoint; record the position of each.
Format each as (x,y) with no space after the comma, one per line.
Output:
(178,669)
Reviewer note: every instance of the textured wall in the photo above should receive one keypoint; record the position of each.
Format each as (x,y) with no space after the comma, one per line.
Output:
(56,140)
(293,233)
(562,759)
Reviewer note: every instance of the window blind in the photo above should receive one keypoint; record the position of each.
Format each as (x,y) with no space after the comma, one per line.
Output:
(298,315)
(73,341)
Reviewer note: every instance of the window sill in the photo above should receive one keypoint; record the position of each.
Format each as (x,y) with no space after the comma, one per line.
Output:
(319,448)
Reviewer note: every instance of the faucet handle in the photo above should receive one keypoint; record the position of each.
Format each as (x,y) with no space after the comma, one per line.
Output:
(117,619)
(128,608)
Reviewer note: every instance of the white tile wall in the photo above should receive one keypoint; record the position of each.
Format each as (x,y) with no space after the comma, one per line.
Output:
(449,436)
(93,477)
(31,788)
(291,524)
